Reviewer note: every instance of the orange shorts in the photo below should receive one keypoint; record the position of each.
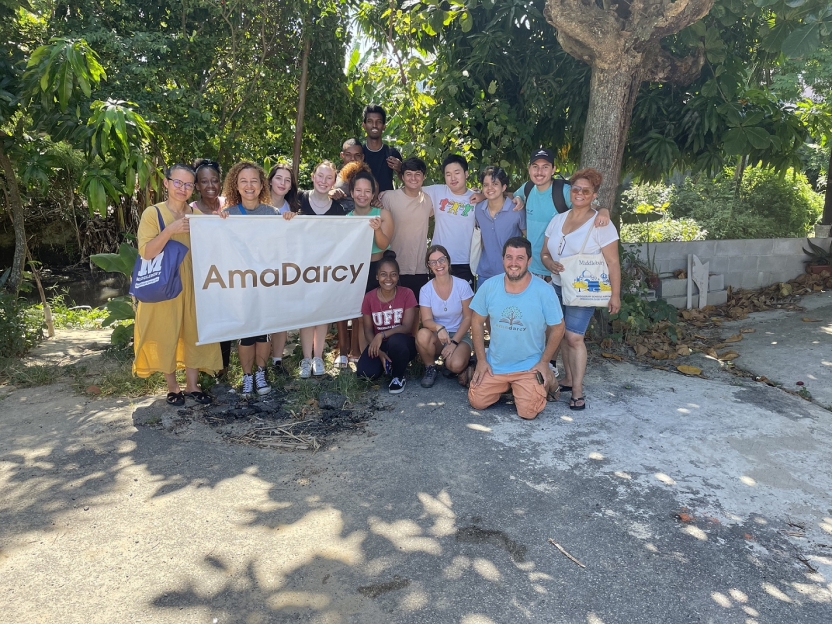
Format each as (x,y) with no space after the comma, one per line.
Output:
(529,396)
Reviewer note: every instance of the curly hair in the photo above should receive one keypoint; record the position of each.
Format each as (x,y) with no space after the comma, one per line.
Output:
(593,176)
(229,187)
(349,171)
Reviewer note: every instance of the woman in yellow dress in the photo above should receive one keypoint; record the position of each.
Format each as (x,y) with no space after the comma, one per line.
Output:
(165,332)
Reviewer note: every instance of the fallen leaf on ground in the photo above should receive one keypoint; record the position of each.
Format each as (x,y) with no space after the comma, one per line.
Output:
(93,390)
(734,338)
(683,350)
(747,330)
(640,349)
(806,319)
(612,356)
(658,355)
(689,370)
(684,517)
(728,355)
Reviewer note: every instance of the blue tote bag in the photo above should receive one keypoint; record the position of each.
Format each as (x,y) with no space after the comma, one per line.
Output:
(158,279)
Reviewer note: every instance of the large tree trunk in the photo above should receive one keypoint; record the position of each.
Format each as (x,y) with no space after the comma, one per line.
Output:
(613,95)
(622,44)
(16,210)
(826,219)
(304,72)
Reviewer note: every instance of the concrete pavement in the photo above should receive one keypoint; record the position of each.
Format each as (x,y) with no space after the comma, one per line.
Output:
(687,499)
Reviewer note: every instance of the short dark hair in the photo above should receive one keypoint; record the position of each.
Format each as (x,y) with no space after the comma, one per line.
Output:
(517,242)
(199,163)
(350,143)
(414,163)
(375,108)
(181,166)
(455,158)
(496,173)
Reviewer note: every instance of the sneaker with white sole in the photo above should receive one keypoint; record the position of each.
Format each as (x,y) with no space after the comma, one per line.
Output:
(430,377)
(397,385)
(260,382)
(318,367)
(248,386)
(553,368)
(305,368)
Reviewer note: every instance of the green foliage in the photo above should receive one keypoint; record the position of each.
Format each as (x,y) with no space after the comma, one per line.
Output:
(20,328)
(65,316)
(119,309)
(766,205)
(637,315)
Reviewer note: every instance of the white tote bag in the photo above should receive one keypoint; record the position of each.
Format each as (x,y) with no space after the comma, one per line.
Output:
(476,250)
(585,280)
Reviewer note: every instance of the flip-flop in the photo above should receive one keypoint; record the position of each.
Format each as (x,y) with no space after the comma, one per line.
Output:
(573,403)
(564,388)
(200,397)
(177,399)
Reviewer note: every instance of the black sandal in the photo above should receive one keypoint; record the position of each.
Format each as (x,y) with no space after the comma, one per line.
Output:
(573,403)
(564,388)
(200,397)
(177,399)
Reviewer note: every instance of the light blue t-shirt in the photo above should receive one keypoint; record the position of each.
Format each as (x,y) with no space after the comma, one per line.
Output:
(518,322)
(539,211)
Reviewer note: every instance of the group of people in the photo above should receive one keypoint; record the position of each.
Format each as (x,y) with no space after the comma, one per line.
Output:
(419,300)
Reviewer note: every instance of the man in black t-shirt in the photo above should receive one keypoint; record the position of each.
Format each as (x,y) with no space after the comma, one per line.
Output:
(382,159)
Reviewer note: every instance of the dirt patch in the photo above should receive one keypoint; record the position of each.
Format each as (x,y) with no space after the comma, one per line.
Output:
(273,421)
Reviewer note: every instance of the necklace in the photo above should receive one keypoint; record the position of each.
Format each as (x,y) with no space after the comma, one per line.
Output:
(316,204)
(387,301)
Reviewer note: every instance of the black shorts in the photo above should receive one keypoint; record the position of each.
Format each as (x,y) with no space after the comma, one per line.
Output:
(372,280)
(250,342)
(414,282)
(463,271)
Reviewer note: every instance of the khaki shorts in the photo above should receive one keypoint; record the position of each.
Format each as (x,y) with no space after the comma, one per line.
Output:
(529,395)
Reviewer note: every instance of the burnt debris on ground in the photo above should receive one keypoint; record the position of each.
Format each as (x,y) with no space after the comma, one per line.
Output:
(272,421)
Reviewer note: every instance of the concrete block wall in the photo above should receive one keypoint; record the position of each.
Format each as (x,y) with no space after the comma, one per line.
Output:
(750,264)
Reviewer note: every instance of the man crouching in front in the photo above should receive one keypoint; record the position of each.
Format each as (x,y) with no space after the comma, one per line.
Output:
(526,327)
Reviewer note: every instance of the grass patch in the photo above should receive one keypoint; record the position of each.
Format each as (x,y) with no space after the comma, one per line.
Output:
(66,315)
(16,373)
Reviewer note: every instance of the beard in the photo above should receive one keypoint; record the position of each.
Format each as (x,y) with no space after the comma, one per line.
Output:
(517,278)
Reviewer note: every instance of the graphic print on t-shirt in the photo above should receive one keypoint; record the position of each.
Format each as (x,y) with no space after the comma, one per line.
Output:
(510,319)
(454,207)
(388,319)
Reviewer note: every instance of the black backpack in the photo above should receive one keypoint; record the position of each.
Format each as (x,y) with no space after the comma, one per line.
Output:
(557,192)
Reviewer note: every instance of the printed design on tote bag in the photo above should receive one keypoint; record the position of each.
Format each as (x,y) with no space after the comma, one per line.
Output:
(589,282)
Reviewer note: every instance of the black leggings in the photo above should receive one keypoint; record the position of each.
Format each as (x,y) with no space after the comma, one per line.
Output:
(400,348)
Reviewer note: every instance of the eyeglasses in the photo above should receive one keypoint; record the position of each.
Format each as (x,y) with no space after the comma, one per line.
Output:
(438,262)
(562,245)
(582,190)
(188,186)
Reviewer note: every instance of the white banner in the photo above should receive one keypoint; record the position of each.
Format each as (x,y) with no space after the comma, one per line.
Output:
(257,275)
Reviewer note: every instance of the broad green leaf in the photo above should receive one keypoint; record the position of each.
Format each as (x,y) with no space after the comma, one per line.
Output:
(802,41)
(735,142)
(758,137)
(466,21)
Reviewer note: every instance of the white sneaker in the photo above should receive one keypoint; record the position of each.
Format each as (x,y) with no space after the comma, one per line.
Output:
(554,369)
(318,368)
(260,382)
(305,368)
(248,386)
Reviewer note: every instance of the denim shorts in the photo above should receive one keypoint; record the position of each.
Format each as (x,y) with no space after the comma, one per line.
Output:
(576,318)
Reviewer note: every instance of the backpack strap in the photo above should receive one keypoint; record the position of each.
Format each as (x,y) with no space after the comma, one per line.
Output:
(557,194)
(527,188)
